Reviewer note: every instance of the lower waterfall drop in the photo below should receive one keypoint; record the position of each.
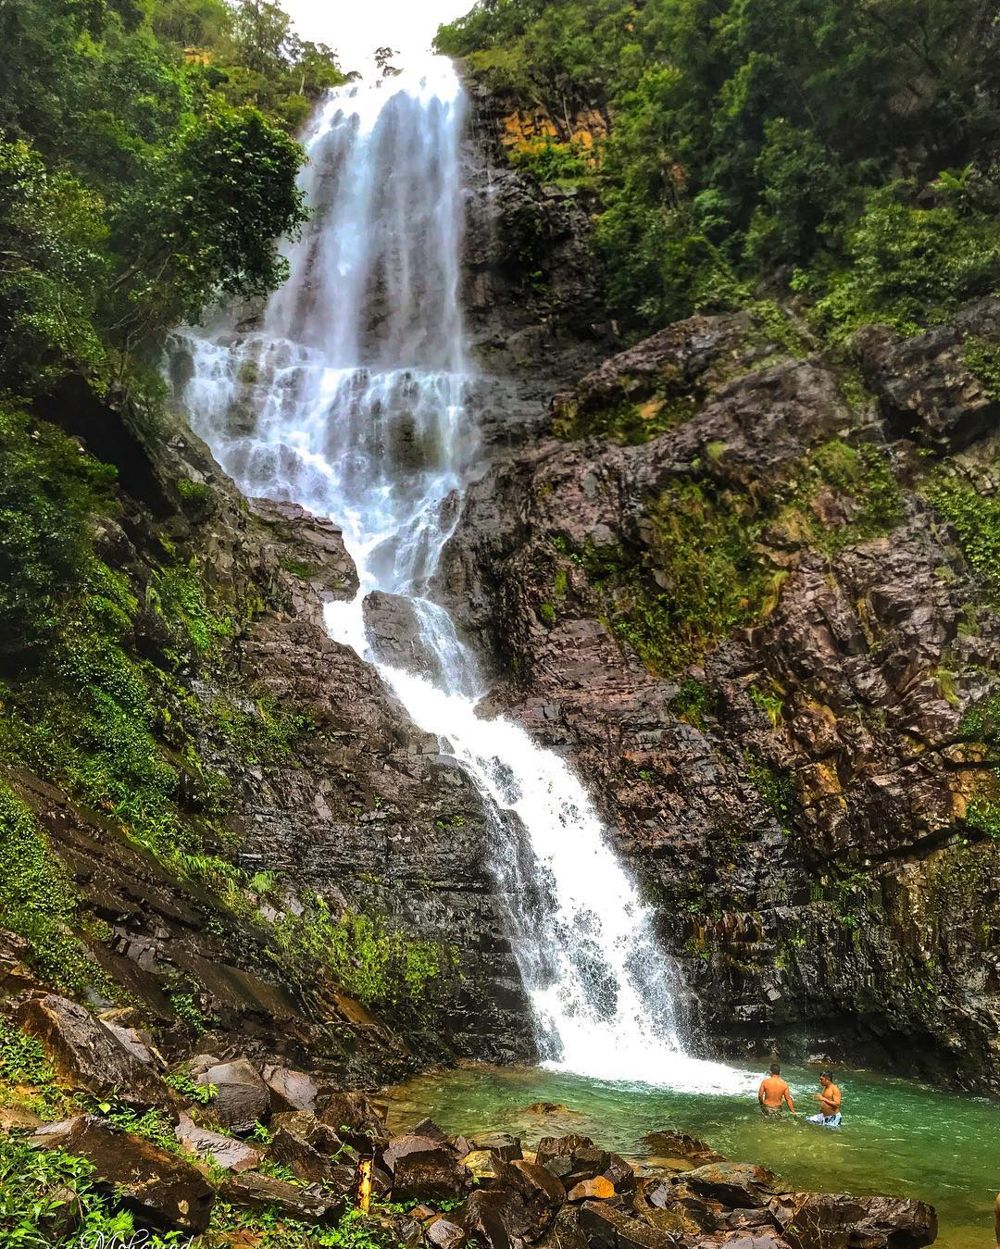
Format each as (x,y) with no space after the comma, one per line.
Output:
(350,399)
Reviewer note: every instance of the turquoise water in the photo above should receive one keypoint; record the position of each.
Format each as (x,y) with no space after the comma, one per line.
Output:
(898,1137)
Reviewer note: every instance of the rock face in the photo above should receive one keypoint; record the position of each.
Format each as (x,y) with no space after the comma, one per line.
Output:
(533,295)
(743,613)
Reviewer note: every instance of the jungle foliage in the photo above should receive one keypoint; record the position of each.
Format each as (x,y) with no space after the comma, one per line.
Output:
(844,148)
(146,168)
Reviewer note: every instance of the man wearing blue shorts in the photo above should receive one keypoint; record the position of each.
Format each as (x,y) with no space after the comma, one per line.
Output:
(829,1099)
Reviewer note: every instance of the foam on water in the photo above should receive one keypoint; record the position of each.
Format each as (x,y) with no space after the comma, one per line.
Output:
(351,399)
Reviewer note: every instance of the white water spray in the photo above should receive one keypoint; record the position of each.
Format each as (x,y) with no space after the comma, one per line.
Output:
(351,400)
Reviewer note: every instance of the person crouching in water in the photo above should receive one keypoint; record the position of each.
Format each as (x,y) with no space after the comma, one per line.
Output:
(773,1092)
(829,1099)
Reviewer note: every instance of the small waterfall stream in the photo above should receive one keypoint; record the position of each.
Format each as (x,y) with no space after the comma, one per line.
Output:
(351,399)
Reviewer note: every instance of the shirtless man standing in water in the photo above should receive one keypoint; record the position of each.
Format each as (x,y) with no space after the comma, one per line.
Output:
(773,1091)
(829,1099)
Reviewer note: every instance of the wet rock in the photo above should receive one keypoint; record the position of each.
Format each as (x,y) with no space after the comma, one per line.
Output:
(495,1219)
(621,1174)
(290,1090)
(480,1163)
(88,1055)
(597,1188)
(760,1238)
(158,1187)
(243,1099)
(429,1129)
(572,1158)
(670,1144)
(430,1174)
(734,1184)
(443,1234)
(353,1112)
(505,1146)
(262,1192)
(395,634)
(312,547)
(137,1045)
(307,1162)
(608,1228)
(224,1151)
(541,1193)
(831,1221)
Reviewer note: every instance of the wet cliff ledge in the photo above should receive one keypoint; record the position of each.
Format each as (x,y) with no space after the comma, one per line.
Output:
(216,822)
(751,591)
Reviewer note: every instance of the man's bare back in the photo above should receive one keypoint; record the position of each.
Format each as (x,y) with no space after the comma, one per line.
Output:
(773,1092)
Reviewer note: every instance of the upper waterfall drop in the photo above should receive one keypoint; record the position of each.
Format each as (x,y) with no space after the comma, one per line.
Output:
(351,399)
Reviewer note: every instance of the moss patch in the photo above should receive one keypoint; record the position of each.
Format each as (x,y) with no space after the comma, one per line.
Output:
(38,902)
(976,519)
(710,576)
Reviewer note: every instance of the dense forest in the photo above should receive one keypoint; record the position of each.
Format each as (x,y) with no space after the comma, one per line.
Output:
(842,151)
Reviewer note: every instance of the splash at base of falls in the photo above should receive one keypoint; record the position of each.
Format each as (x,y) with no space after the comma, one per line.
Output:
(351,400)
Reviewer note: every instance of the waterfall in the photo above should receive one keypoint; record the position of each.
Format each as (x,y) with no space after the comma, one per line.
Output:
(351,399)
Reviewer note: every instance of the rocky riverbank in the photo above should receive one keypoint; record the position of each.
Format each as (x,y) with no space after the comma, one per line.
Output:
(222,1146)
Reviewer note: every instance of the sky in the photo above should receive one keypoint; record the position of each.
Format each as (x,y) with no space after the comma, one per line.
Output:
(354,28)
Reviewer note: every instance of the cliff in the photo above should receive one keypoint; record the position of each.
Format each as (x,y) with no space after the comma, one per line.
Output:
(749,588)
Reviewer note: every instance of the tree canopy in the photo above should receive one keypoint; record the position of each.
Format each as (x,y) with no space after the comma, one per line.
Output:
(147,165)
(754,140)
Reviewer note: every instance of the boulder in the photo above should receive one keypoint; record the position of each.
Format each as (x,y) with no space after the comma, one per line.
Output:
(134,1042)
(305,1125)
(261,1192)
(480,1164)
(158,1187)
(598,1188)
(551,1146)
(355,1118)
(289,1089)
(837,1221)
(243,1098)
(532,1181)
(609,1228)
(572,1158)
(669,1144)
(224,1151)
(443,1234)
(428,1128)
(308,1163)
(505,1146)
(430,1174)
(733,1184)
(88,1055)
(620,1173)
(541,1194)
(494,1219)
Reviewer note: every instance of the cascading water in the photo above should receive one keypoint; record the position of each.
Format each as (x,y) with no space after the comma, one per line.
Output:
(350,399)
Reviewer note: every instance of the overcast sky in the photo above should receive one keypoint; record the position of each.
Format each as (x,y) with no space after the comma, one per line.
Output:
(355,27)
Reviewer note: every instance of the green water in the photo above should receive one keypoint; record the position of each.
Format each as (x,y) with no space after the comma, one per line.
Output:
(898,1138)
